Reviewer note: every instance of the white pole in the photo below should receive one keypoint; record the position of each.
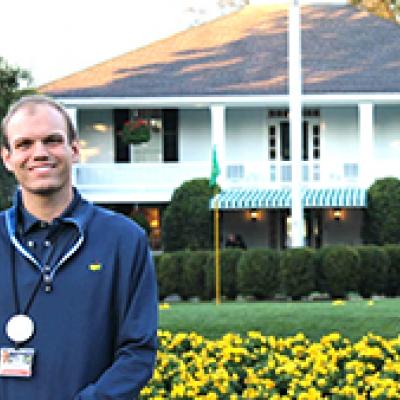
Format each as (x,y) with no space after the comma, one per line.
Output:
(366,132)
(295,121)
(73,114)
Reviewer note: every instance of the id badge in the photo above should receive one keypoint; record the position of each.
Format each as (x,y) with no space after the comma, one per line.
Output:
(16,362)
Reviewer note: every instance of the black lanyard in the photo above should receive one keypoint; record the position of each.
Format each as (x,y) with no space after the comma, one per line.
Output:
(17,303)
(44,276)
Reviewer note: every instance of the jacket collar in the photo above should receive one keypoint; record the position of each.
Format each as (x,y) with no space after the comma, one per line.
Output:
(27,221)
(78,213)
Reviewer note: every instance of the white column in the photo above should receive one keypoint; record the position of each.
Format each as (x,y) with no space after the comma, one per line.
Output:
(73,114)
(218,138)
(295,121)
(366,131)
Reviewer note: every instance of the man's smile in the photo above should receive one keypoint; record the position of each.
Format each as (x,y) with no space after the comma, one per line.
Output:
(42,167)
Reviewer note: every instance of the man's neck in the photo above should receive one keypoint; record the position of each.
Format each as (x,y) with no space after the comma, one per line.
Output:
(47,207)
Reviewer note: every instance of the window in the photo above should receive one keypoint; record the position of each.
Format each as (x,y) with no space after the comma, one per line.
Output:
(285,141)
(304,155)
(283,113)
(272,142)
(316,141)
(152,150)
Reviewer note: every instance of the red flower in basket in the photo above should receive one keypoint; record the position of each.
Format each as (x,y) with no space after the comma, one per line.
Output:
(136,131)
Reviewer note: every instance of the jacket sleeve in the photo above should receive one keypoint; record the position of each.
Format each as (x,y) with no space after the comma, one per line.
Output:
(136,341)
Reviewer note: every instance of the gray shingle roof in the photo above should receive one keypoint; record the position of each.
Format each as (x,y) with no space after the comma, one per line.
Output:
(345,50)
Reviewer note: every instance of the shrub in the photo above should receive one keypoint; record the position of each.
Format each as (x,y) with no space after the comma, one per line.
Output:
(297,269)
(187,221)
(229,265)
(193,274)
(156,260)
(392,287)
(169,273)
(12,79)
(141,220)
(382,215)
(339,270)
(258,273)
(373,269)
(7,187)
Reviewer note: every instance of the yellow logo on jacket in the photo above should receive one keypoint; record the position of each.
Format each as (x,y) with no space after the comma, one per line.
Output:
(95,267)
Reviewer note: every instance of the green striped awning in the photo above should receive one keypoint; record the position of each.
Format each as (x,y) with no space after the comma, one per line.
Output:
(231,199)
(334,197)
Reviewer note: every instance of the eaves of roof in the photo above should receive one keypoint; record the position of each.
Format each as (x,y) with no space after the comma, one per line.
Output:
(242,101)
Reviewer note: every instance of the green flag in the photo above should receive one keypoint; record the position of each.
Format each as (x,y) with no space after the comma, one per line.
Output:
(215,171)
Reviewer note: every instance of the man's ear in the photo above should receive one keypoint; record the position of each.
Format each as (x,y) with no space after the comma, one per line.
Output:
(5,155)
(75,146)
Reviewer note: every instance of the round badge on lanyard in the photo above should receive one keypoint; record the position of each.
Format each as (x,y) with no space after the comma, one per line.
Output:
(20,328)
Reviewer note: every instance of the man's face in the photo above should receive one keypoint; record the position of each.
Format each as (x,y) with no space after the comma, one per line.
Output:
(40,155)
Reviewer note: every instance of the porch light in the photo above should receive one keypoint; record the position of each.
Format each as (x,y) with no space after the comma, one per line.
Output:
(154,223)
(337,214)
(100,127)
(255,215)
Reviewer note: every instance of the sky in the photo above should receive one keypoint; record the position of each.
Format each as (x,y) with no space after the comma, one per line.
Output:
(54,38)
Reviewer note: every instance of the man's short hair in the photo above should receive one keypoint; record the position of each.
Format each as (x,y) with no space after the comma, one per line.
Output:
(34,100)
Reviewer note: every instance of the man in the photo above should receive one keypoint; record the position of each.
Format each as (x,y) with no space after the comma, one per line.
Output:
(235,240)
(78,298)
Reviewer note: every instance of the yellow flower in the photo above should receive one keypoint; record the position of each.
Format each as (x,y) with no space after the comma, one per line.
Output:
(338,303)
(178,390)
(193,367)
(164,306)
(145,391)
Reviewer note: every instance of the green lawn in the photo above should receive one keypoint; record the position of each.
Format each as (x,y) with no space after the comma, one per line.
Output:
(315,319)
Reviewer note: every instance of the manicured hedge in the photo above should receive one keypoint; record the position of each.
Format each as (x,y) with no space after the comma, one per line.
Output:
(374,262)
(339,270)
(392,287)
(169,273)
(258,273)
(297,271)
(262,273)
(193,274)
(229,265)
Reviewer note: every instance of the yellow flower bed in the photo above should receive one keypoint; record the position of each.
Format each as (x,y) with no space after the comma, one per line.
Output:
(190,366)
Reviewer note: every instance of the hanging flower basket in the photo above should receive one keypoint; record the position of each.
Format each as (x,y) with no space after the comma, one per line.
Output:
(136,132)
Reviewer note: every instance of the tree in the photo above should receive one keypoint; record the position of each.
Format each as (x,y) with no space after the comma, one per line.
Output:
(187,221)
(394,6)
(204,11)
(12,81)
(389,9)
(382,216)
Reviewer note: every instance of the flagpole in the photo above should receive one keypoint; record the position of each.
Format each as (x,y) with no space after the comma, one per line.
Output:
(216,245)
(215,171)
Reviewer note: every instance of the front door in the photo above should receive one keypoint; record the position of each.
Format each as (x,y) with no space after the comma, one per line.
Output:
(279,150)
(279,141)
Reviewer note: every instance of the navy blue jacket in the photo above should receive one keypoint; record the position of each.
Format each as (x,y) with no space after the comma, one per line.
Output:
(96,331)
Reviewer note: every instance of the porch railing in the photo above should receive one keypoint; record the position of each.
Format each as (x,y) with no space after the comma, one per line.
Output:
(156,181)
(127,181)
(280,173)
